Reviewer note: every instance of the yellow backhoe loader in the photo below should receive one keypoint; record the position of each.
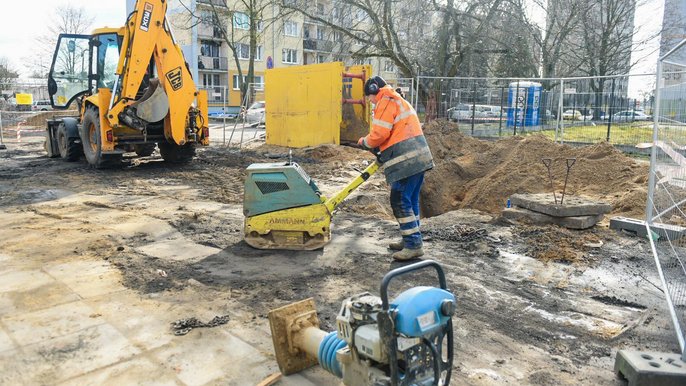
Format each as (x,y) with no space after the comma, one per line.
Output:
(133,90)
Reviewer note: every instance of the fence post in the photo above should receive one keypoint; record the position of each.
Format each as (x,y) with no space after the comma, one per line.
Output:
(2,140)
(225,93)
(516,110)
(560,105)
(653,149)
(473,106)
(611,107)
(500,121)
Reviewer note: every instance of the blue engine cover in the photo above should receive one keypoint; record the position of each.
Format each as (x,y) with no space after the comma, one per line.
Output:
(419,310)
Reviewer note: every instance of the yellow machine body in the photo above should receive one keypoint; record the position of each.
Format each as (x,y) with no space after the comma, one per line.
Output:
(305,227)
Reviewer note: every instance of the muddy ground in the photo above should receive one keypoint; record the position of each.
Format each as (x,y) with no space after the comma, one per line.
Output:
(536,305)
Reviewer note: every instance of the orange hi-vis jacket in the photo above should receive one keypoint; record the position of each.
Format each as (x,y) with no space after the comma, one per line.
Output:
(397,133)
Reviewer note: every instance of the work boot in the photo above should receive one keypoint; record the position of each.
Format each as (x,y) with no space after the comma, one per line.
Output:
(397,245)
(408,254)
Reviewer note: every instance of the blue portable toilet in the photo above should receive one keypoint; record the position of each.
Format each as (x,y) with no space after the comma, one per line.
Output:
(523,104)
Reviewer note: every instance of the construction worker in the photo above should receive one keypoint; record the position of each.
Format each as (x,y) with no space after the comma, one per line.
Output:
(397,134)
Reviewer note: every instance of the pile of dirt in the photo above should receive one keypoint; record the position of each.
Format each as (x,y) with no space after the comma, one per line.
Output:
(321,153)
(557,244)
(472,173)
(38,119)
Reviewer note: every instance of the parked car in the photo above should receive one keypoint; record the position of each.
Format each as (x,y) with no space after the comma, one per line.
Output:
(222,115)
(460,112)
(256,113)
(573,115)
(630,116)
(487,111)
(41,106)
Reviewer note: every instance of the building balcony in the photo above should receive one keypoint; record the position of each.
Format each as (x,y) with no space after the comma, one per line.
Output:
(212,63)
(317,45)
(217,3)
(309,20)
(209,32)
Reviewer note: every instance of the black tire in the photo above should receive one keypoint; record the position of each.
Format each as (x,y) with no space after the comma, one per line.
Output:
(69,149)
(144,150)
(90,137)
(174,153)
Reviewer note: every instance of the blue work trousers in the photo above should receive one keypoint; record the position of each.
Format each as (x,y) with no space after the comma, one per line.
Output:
(405,204)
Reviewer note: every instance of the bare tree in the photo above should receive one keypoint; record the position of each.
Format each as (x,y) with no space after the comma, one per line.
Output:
(607,35)
(419,37)
(67,20)
(240,24)
(562,19)
(8,75)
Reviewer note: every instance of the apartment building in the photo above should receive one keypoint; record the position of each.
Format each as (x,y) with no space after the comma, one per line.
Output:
(283,40)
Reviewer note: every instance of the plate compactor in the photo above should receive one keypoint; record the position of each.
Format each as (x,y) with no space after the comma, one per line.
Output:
(284,209)
(407,341)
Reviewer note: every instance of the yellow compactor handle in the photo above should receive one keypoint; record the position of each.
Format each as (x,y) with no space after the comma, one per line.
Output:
(334,201)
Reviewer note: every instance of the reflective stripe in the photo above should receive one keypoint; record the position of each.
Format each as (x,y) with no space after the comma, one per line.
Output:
(408,232)
(383,124)
(403,115)
(405,220)
(364,142)
(404,157)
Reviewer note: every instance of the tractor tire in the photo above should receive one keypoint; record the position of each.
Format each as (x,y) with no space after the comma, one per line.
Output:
(70,150)
(144,150)
(92,148)
(174,153)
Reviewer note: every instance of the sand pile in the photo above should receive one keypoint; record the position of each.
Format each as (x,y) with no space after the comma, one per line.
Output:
(472,173)
(39,119)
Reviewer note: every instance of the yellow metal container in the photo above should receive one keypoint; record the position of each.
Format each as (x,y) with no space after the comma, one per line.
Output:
(305,105)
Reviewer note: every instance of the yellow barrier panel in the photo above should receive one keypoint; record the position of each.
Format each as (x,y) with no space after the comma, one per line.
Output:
(304,105)
(24,99)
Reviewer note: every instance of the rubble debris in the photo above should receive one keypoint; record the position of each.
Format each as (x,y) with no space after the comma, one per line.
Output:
(456,233)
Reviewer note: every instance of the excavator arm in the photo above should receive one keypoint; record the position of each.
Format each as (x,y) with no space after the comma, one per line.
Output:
(170,94)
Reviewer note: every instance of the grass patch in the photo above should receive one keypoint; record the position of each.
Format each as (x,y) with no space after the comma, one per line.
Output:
(620,134)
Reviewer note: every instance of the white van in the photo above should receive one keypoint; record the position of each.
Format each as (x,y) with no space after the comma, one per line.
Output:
(487,111)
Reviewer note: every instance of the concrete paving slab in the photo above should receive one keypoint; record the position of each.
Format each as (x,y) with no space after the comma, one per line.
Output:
(180,249)
(66,357)
(45,296)
(6,343)
(145,323)
(24,280)
(87,278)
(577,222)
(650,368)
(52,322)
(573,205)
(223,358)
(638,227)
(137,371)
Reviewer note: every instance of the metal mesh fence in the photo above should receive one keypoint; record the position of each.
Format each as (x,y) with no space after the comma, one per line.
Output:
(235,120)
(582,110)
(666,206)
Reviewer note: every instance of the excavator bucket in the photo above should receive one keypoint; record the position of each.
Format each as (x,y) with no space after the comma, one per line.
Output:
(154,104)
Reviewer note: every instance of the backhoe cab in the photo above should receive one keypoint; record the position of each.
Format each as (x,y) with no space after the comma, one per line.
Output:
(133,90)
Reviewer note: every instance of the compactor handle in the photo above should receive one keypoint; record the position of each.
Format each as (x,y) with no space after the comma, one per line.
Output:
(405,270)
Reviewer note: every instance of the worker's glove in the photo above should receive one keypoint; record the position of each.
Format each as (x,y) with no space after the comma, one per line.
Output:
(360,143)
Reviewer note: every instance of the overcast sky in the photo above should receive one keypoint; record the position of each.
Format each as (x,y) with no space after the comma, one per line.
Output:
(21,21)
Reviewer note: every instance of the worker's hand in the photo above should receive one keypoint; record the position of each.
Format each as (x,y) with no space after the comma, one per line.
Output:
(360,143)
